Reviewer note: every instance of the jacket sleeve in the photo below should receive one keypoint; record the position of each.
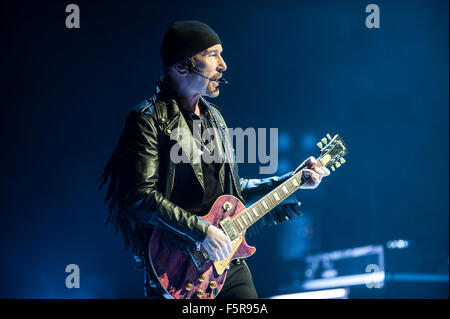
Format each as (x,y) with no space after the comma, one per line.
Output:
(253,189)
(144,202)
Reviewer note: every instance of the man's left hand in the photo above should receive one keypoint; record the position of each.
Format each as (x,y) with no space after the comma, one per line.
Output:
(310,169)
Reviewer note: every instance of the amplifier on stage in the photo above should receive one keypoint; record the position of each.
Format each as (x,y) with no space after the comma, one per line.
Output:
(341,268)
(401,268)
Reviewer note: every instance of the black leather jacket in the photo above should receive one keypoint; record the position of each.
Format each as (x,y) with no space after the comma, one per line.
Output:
(141,193)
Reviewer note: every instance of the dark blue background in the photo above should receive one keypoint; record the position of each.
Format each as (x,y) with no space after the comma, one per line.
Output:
(306,67)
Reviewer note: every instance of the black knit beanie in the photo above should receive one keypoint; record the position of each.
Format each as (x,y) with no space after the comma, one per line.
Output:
(185,39)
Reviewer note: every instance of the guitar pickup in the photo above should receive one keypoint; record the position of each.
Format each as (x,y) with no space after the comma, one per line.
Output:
(197,264)
(229,229)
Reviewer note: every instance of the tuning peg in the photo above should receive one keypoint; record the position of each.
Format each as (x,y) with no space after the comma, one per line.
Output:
(342,160)
(329,137)
(332,168)
(324,140)
(337,164)
(319,145)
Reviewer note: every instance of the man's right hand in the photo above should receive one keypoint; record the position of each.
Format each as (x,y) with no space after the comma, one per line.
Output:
(217,244)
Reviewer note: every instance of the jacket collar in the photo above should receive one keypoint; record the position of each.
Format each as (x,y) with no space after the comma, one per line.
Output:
(169,113)
(164,97)
(170,116)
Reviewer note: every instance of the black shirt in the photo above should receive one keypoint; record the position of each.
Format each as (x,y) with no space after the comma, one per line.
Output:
(213,188)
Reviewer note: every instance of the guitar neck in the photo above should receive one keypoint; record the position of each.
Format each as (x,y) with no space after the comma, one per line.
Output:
(252,214)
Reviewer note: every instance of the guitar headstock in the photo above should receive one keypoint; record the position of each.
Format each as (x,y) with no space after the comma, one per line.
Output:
(332,151)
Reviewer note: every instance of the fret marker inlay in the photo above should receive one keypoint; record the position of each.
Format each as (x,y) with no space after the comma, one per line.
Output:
(275,194)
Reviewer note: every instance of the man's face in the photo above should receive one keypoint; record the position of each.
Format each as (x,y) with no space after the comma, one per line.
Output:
(210,64)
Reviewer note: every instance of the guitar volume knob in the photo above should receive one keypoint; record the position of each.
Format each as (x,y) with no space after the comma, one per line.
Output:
(200,293)
(202,277)
(188,286)
(212,284)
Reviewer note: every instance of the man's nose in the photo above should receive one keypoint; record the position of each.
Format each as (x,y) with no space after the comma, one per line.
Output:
(222,65)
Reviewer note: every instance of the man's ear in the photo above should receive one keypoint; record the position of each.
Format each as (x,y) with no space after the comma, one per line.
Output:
(181,68)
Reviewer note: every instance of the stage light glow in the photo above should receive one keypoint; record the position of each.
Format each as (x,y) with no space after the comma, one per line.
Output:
(308,141)
(284,141)
(341,293)
(345,281)
(397,244)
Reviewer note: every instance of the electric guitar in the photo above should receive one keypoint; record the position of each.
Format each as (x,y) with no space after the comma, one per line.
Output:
(187,275)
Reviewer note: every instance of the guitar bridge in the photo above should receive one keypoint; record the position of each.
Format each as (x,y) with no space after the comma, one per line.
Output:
(229,229)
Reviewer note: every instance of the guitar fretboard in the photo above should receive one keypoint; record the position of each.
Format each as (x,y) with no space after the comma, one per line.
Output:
(330,154)
(256,211)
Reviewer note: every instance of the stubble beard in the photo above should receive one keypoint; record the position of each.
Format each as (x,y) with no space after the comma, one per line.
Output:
(212,91)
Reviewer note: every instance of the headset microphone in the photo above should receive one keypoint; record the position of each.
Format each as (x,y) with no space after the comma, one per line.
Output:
(221,80)
(190,67)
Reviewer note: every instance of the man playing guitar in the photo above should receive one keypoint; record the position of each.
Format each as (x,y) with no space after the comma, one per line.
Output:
(148,191)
